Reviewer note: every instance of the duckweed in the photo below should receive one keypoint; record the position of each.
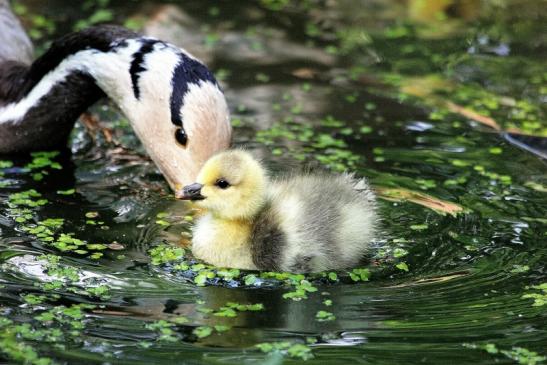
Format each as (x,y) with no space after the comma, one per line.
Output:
(23,206)
(517,269)
(203,275)
(419,227)
(295,350)
(164,329)
(360,274)
(221,328)
(302,288)
(203,331)
(225,312)
(101,291)
(5,164)
(250,279)
(365,129)
(163,254)
(19,351)
(524,356)
(70,279)
(25,199)
(66,192)
(33,299)
(44,159)
(329,150)
(231,309)
(323,316)
(519,354)
(539,297)
(228,274)
(55,325)
(399,252)
(54,268)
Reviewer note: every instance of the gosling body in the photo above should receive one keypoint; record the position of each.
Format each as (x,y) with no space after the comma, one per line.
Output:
(299,223)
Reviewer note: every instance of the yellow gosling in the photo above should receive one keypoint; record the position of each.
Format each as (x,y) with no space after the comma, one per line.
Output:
(301,223)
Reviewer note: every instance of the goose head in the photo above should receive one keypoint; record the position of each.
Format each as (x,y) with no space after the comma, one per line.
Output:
(172,101)
(174,105)
(181,137)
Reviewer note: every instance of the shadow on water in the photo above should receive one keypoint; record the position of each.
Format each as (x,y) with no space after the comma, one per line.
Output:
(419,99)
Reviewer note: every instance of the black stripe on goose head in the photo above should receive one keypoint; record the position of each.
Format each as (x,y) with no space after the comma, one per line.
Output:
(137,65)
(102,38)
(188,71)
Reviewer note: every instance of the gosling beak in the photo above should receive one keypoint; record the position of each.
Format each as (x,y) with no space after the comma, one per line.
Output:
(190,192)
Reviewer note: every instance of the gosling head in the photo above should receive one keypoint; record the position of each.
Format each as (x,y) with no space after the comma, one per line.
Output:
(230,185)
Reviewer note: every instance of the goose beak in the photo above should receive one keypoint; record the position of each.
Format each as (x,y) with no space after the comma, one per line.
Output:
(190,192)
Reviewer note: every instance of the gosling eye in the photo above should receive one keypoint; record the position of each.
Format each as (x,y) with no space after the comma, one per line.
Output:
(223,184)
(181,137)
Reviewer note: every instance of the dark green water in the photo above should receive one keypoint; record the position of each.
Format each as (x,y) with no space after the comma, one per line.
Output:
(397,91)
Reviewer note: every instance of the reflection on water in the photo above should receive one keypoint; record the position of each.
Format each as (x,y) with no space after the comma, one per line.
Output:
(414,95)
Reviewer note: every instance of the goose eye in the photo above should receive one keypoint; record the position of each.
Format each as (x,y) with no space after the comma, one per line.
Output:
(181,137)
(221,183)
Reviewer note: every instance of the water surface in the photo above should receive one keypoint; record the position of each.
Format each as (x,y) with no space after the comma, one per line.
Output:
(417,97)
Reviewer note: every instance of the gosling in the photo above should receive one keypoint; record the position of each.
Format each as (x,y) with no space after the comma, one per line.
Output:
(301,223)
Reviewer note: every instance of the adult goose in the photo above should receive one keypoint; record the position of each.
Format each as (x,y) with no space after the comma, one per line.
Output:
(173,102)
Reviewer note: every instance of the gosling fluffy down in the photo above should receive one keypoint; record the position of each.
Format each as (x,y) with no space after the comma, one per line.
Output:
(300,223)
